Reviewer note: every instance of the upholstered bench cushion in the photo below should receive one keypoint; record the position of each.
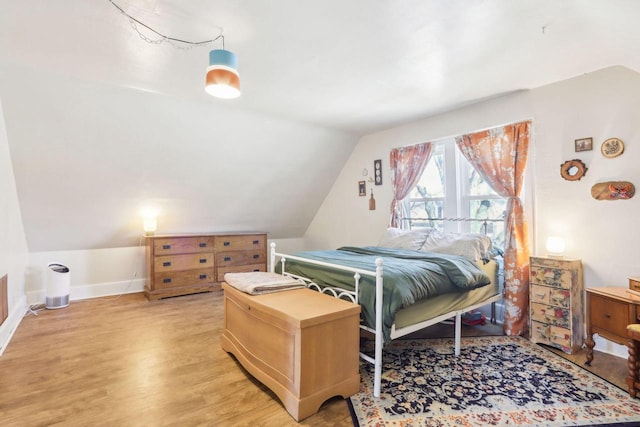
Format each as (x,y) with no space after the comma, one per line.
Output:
(633,331)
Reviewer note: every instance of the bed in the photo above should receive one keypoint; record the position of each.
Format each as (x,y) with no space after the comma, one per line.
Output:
(409,281)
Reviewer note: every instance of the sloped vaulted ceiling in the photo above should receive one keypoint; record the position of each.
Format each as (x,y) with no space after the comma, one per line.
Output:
(101,123)
(88,157)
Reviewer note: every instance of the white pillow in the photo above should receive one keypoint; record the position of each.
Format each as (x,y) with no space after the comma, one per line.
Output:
(474,246)
(404,239)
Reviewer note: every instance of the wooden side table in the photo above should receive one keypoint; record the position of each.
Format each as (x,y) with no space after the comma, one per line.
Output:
(609,311)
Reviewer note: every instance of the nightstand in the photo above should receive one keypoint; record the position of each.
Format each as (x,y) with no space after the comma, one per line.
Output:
(609,311)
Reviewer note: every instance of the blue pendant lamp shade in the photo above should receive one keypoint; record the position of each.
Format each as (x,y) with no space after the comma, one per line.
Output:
(223,80)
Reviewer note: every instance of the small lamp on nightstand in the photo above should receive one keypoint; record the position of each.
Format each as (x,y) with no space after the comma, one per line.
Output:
(555,247)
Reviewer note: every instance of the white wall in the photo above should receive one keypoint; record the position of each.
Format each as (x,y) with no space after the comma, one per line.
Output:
(344,217)
(13,246)
(92,273)
(103,272)
(603,234)
(88,157)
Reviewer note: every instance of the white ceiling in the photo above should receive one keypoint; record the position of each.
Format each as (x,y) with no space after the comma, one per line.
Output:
(356,65)
(101,123)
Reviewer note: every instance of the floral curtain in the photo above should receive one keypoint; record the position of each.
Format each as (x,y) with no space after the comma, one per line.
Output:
(500,156)
(407,165)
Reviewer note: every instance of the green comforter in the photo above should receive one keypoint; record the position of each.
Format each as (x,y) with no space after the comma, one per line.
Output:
(409,276)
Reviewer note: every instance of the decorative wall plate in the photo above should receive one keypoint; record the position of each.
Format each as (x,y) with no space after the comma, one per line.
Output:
(612,147)
(573,170)
(613,190)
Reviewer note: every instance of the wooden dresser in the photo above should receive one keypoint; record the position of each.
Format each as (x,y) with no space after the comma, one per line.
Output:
(556,303)
(609,311)
(190,263)
(301,344)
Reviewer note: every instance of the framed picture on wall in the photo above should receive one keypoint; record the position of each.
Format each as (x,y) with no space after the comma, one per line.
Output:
(377,169)
(362,188)
(584,144)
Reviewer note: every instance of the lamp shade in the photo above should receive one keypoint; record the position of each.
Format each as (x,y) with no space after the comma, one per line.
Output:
(555,246)
(223,80)
(149,225)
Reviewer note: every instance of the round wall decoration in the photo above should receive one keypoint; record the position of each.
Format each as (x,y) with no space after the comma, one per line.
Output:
(573,170)
(612,147)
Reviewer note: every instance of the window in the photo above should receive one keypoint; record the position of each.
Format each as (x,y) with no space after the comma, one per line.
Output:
(451,188)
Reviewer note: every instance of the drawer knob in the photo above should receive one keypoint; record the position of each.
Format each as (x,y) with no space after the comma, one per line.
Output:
(227,258)
(166,264)
(166,281)
(202,245)
(203,260)
(203,276)
(226,243)
(608,315)
(256,256)
(255,242)
(166,246)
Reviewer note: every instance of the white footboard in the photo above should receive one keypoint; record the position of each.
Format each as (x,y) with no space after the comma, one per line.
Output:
(352,295)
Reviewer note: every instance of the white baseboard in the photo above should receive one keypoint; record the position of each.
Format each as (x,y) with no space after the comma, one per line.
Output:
(95,290)
(9,326)
(609,347)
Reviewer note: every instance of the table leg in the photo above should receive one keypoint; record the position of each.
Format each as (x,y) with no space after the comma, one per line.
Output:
(633,368)
(590,343)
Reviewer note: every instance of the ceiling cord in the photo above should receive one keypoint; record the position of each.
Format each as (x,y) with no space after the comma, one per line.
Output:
(177,43)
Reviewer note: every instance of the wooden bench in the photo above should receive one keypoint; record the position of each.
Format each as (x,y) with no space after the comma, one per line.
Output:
(301,344)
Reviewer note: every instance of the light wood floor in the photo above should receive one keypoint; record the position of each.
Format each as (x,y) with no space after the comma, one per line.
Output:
(127,362)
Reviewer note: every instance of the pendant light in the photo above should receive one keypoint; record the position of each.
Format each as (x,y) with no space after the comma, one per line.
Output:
(223,80)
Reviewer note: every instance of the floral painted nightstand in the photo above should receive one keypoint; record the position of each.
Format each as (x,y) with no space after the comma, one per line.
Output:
(556,302)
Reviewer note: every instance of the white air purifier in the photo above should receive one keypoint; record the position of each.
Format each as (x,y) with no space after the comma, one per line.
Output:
(58,286)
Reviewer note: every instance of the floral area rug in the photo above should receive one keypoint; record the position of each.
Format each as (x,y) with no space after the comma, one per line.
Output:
(496,381)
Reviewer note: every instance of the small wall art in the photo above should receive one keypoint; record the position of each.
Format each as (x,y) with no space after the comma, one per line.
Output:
(584,144)
(573,170)
(362,188)
(613,190)
(377,168)
(612,147)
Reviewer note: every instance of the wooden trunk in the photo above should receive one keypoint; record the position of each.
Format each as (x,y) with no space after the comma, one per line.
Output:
(301,344)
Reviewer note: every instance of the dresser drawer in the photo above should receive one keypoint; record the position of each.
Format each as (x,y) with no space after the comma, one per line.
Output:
(174,279)
(557,316)
(182,262)
(560,298)
(182,245)
(238,269)
(240,243)
(551,296)
(555,335)
(540,294)
(609,315)
(540,332)
(555,277)
(560,336)
(226,259)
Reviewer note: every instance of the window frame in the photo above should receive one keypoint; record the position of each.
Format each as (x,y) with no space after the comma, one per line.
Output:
(457,198)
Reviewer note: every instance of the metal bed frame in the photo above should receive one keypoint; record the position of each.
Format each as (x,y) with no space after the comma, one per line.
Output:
(352,296)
